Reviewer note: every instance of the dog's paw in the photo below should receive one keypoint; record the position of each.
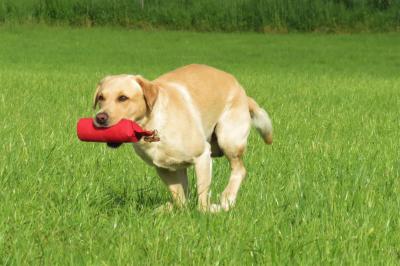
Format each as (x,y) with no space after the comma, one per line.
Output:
(165,208)
(227,202)
(212,208)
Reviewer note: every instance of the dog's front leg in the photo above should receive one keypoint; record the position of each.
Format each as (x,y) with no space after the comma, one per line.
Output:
(177,183)
(203,169)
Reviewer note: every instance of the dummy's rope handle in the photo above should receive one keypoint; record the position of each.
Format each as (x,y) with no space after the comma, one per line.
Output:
(153,137)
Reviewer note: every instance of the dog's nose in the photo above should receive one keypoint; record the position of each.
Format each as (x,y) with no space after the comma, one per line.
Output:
(101,118)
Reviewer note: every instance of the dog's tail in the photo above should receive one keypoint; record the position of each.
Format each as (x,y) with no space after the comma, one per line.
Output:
(260,120)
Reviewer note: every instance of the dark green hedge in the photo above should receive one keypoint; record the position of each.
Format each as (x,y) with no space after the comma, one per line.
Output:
(211,15)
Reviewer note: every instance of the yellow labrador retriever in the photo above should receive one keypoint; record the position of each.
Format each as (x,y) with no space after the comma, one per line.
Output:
(199,112)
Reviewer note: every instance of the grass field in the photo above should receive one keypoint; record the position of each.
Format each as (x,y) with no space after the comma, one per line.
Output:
(326,192)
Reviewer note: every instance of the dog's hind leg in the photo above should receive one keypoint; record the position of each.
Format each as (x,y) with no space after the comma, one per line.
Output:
(177,182)
(238,173)
(232,132)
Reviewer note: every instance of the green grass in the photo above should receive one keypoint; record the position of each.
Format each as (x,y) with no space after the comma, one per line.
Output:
(326,192)
(211,15)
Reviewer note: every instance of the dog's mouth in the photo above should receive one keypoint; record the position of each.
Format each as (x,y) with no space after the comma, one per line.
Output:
(113,145)
(104,125)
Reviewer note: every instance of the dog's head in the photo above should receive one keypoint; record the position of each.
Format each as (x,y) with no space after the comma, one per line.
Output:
(123,97)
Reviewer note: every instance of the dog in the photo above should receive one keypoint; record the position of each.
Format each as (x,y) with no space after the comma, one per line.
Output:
(199,112)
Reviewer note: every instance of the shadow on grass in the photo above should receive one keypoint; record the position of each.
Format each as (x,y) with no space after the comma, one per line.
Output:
(148,198)
(117,200)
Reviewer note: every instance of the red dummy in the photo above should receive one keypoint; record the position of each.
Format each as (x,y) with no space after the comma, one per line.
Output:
(124,131)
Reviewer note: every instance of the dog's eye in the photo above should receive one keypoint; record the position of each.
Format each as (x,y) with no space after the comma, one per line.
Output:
(100,98)
(122,98)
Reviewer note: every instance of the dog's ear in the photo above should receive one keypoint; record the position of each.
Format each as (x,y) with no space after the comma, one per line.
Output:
(96,96)
(150,91)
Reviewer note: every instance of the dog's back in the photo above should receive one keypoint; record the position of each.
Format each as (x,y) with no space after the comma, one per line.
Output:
(211,90)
